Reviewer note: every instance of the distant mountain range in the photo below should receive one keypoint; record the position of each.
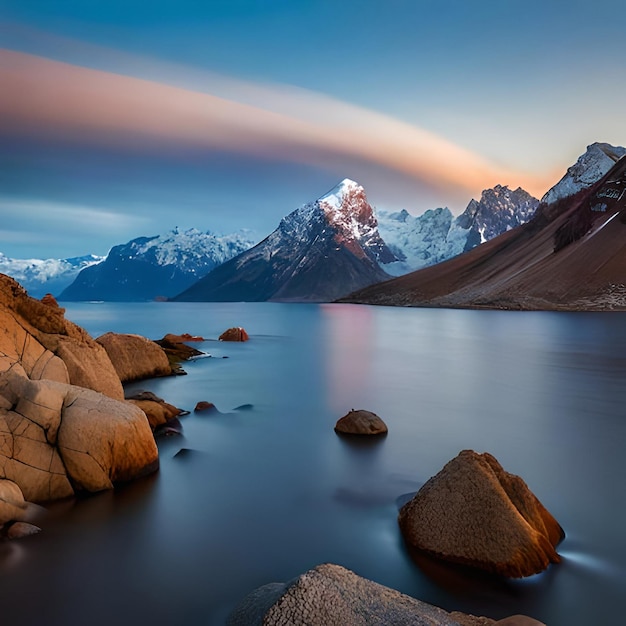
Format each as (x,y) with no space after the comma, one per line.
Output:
(41,276)
(319,252)
(437,235)
(570,256)
(151,267)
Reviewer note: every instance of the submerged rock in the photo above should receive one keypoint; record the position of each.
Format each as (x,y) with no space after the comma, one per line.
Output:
(361,422)
(234,334)
(475,513)
(205,407)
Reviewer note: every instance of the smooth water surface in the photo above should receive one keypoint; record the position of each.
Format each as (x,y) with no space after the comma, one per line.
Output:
(264,493)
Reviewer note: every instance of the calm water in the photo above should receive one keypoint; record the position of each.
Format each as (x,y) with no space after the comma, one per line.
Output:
(267,493)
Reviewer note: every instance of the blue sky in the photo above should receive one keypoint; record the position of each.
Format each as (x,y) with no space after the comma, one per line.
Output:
(124,118)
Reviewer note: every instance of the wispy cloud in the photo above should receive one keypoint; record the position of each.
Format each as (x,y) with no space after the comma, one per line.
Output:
(42,97)
(69,217)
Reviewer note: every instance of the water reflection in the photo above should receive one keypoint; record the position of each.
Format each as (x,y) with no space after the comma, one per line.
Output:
(253,496)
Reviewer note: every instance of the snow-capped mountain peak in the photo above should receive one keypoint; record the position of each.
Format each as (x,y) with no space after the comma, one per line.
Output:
(590,167)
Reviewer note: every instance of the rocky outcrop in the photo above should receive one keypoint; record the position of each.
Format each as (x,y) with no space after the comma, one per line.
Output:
(475,513)
(361,422)
(58,439)
(234,334)
(134,357)
(37,337)
(330,595)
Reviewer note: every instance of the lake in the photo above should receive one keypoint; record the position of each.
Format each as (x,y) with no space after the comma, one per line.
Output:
(262,493)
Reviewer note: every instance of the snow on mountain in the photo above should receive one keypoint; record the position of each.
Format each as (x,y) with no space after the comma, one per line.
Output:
(320,251)
(160,266)
(417,241)
(590,167)
(41,276)
(436,236)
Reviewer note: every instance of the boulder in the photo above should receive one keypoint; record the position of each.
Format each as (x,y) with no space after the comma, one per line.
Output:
(56,438)
(36,335)
(330,595)
(103,441)
(134,357)
(361,422)
(473,512)
(234,334)
(156,409)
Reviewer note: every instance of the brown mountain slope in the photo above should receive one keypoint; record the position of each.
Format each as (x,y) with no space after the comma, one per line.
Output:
(571,256)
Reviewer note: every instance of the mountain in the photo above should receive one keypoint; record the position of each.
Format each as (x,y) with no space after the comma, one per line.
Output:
(570,256)
(151,267)
(598,159)
(436,236)
(321,251)
(41,276)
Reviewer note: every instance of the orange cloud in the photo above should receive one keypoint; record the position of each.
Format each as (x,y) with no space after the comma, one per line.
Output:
(42,97)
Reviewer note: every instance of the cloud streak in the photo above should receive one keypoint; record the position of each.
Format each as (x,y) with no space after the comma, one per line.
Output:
(45,98)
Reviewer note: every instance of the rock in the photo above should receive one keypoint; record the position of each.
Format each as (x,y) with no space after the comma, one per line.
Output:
(203,405)
(234,334)
(330,595)
(37,336)
(12,504)
(172,338)
(361,422)
(156,409)
(103,442)
(134,357)
(50,300)
(178,351)
(19,530)
(518,620)
(57,438)
(171,428)
(475,513)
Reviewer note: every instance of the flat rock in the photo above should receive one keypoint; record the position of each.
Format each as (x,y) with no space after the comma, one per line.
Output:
(475,513)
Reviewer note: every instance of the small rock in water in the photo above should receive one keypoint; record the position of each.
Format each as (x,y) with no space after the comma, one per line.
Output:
(244,407)
(204,406)
(22,529)
(361,423)
(237,333)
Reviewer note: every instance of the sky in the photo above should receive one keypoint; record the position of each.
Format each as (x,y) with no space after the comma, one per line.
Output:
(124,118)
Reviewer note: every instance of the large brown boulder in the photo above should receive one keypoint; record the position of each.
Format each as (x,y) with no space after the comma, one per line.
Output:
(134,357)
(361,422)
(330,595)
(475,513)
(56,439)
(37,336)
